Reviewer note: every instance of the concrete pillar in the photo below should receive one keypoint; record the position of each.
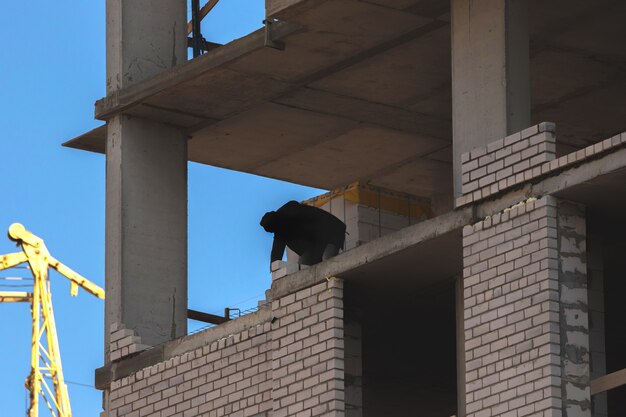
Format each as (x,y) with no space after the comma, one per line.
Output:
(146,180)
(490,74)
(144,38)
(526,312)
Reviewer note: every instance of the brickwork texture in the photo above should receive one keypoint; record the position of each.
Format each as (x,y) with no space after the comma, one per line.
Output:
(289,366)
(525,312)
(308,352)
(123,341)
(519,158)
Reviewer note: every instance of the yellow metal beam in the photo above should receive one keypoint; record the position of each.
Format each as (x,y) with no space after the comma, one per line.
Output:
(76,278)
(15,296)
(12,259)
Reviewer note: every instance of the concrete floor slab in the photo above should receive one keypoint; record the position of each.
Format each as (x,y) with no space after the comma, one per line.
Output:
(384,63)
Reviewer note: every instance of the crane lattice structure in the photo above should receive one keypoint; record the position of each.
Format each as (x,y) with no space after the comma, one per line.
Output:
(45,356)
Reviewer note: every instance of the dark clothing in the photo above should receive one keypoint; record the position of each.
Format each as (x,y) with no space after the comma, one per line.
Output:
(312,233)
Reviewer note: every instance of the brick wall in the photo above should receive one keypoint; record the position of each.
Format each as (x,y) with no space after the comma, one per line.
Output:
(124,342)
(228,377)
(308,352)
(290,363)
(525,312)
(519,158)
(508,161)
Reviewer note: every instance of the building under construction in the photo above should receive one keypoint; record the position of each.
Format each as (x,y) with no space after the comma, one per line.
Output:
(476,151)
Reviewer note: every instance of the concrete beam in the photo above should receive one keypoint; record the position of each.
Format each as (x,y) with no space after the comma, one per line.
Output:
(490,74)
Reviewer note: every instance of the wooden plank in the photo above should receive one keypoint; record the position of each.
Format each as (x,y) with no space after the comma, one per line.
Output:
(608,382)
(203,12)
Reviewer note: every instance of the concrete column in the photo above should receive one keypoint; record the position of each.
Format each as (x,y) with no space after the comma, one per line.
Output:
(146,181)
(490,74)
(146,229)
(144,38)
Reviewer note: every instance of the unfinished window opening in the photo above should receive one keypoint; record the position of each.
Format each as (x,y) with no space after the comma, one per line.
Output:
(400,348)
(606,267)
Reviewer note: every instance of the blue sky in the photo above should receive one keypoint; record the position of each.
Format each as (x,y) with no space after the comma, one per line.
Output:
(52,69)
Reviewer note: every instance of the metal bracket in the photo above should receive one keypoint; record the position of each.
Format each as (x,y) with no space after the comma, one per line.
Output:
(269,41)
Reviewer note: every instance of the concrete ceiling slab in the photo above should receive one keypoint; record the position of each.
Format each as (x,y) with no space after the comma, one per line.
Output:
(362,89)
(262,135)
(606,22)
(400,76)
(365,23)
(548,18)
(367,111)
(422,177)
(437,102)
(443,155)
(395,4)
(218,94)
(348,157)
(555,80)
(330,32)
(589,117)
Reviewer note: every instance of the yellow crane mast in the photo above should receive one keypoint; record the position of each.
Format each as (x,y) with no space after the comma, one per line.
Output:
(45,355)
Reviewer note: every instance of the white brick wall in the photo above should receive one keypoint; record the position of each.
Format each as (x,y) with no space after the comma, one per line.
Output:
(229,377)
(291,366)
(525,320)
(519,158)
(124,342)
(308,352)
(508,161)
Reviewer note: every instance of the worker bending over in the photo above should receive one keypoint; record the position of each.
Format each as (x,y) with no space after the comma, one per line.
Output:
(312,233)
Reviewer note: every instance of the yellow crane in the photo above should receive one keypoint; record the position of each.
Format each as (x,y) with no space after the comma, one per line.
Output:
(45,356)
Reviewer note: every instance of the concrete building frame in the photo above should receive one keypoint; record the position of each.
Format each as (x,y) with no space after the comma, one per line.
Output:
(505,116)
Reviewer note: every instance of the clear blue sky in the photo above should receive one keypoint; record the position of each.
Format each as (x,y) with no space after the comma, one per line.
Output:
(52,69)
